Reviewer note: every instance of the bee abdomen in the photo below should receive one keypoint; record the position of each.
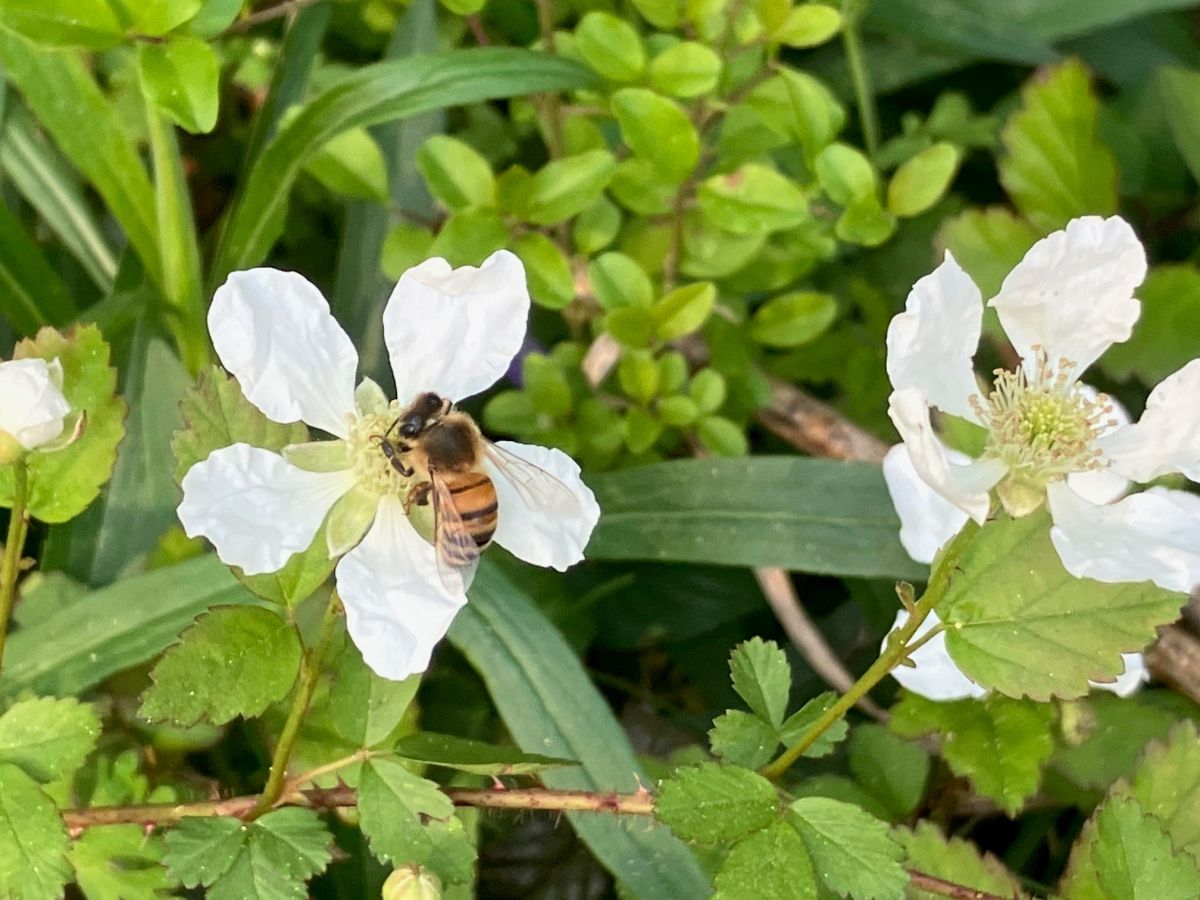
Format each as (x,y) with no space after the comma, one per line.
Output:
(476,504)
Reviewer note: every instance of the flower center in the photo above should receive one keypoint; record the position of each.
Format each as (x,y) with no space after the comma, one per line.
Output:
(1043,427)
(372,467)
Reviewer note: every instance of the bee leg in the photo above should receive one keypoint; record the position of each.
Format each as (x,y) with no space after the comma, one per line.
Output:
(418,495)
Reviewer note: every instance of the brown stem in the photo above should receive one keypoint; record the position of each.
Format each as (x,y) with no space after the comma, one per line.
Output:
(936,885)
(553,103)
(268,14)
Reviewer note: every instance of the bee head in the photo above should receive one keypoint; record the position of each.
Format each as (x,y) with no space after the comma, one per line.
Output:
(421,413)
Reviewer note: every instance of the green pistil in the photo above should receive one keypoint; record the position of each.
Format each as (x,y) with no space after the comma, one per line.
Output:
(372,467)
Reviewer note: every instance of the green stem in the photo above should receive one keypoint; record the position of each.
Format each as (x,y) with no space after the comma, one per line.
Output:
(310,672)
(14,545)
(897,649)
(860,75)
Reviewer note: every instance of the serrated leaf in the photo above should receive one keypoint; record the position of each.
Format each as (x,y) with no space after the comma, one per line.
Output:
(762,677)
(467,755)
(999,743)
(368,708)
(119,862)
(743,739)
(1123,852)
(47,738)
(710,803)
(235,661)
(770,864)
(1012,605)
(987,243)
(1163,340)
(799,722)
(1105,735)
(66,482)
(1056,167)
(200,849)
(1167,784)
(33,841)
(852,850)
(893,770)
(953,859)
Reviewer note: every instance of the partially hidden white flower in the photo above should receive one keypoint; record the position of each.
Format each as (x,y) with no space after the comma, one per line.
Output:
(32,405)
(453,332)
(1050,438)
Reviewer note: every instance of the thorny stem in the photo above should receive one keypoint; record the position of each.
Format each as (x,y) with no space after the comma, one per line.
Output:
(310,672)
(898,649)
(860,75)
(14,545)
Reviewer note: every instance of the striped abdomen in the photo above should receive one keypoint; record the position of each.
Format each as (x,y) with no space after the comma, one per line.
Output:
(474,498)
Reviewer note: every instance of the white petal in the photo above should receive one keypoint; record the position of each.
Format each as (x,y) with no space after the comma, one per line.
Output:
(1153,536)
(927,519)
(455,331)
(274,333)
(964,486)
(1072,294)
(1102,485)
(931,345)
(1167,437)
(1135,675)
(32,406)
(397,608)
(936,676)
(543,522)
(255,507)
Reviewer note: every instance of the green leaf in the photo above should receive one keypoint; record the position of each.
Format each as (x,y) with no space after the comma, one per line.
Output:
(550,705)
(988,243)
(799,723)
(638,187)
(610,46)
(893,770)
(808,515)
(200,850)
(762,677)
(63,23)
(551,282)
(1104,736)
(48,739)
(953,859)
(119,862)
(794,319)
(771,864)
(566,187)
(180,77)
(73,648)
(754,198)
(156,17)
(657,130)
(405,246)
(214,17)
(33,841)
(1179,90)
(846,175)
(1163,341)
(1167,784)
(999,743)
(68,103)
(31,292)
(1012,605)
(351,164)
(235,661)
(409,820)
(801,107)
(923,180)
(467,755)
(865,222)
(638,375)
(369,709)
(596,227)
(851,850)
(743,739)
(722,436)
(1056,167)
(618,281)
(371,95)
(711,804)
(808,25)
(1123,852)
(684,310)
(457,174)
(64,483)
(686,69)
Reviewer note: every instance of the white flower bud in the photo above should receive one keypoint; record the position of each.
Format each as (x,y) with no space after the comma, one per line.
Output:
(32,406)
(412,883)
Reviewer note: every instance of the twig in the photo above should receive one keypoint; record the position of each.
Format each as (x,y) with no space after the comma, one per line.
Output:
(553,104)
(1175,659)
(936,885)
(478,31)
(268,14)
(816,428)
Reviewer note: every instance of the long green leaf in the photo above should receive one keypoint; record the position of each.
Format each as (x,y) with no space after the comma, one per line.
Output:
(551,707)
(1180,93)
(88,638)
(52,188)
(70,105)
(374,94)
(811,515)
(31,293)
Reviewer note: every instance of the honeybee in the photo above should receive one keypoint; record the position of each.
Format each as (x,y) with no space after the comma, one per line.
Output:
(446,451)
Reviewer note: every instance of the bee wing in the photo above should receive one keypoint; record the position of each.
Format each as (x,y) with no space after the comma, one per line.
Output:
(537,487)
(457,552)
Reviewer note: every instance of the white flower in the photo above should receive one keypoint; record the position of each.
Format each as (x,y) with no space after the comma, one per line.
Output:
(936,676)
(450,331)
(32,405)
(1049,437)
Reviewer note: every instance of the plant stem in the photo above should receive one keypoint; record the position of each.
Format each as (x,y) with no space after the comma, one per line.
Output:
(553,103)
(860,75)
(14,545)
(897,649)
(266,15)
(310,672)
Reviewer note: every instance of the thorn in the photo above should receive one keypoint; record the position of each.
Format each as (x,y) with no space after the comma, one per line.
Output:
(498,785)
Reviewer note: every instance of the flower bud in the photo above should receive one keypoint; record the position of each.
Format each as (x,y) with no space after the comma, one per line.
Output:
(412,883)
(32,406)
